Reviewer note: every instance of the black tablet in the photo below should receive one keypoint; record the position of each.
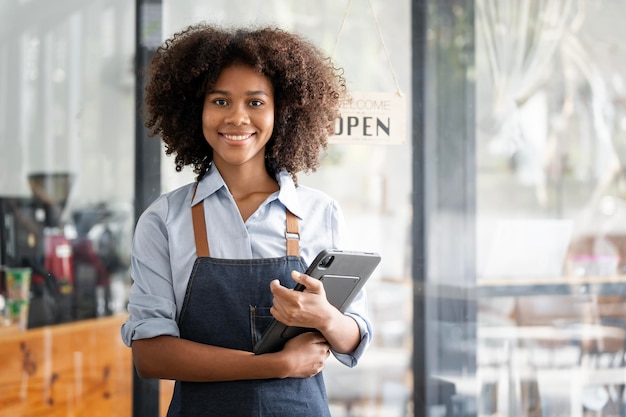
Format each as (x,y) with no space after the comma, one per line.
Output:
(343,273)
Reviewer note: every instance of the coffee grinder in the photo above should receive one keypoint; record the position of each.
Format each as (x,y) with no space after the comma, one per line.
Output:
(32,235)
(51,192)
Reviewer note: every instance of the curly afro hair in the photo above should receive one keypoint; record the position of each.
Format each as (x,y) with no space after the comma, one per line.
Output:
(308,90)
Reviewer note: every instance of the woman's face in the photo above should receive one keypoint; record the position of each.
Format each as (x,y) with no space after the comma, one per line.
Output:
(238,116)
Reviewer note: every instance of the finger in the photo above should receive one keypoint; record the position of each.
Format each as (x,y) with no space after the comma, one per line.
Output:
(311,284)
(276,288)
(298,276)
(278,314)
(275,284)
(320,367)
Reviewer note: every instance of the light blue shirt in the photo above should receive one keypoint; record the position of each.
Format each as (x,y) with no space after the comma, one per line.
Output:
(163,250)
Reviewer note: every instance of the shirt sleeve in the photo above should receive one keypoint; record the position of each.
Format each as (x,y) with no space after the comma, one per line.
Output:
(358,309)
(151,304)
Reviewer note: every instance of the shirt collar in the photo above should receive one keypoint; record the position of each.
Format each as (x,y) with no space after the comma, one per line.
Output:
(287,194)
(208,185)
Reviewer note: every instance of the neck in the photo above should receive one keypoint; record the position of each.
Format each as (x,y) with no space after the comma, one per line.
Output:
(246,179)
(249,186)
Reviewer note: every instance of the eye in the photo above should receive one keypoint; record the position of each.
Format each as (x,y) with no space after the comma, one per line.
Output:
(256,103)
(220,102)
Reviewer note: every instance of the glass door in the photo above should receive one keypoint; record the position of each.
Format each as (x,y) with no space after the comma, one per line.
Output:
(550,135)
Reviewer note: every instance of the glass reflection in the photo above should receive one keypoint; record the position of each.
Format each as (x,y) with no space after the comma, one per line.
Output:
(550,202)
(66,156)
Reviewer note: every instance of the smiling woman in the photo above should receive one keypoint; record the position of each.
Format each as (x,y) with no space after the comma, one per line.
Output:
(248,110)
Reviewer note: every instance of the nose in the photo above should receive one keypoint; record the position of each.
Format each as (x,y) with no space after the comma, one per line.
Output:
(238,116)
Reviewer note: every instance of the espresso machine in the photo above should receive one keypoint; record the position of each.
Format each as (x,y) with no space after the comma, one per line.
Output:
(32,235)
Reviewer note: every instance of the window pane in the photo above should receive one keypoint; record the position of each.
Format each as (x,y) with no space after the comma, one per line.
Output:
(67,116)
(550,207)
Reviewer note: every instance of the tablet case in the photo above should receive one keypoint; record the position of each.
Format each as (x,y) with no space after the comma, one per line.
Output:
(343,274)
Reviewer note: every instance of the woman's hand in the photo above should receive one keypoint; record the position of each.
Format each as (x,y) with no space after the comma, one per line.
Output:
(310,308)
(305,355)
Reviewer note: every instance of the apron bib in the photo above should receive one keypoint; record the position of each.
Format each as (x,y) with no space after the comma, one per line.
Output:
(227,304)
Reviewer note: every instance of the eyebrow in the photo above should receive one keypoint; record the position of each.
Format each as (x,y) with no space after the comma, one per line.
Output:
(248,93)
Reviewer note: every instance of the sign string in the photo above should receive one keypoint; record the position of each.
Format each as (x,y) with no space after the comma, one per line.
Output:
(380,36)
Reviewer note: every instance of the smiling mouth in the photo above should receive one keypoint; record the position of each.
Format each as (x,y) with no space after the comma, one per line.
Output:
(237,137)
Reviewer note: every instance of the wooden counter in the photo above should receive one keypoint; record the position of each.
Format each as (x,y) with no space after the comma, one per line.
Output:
(75,369)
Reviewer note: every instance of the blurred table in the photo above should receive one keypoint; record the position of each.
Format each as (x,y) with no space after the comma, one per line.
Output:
(564,285)
(555,313)
(568,333)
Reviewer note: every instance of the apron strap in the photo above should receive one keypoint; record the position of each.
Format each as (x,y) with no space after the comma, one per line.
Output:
(292,235)
(199,228)
(202,242)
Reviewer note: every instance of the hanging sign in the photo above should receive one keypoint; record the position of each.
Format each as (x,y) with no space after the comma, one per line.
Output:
(371,117)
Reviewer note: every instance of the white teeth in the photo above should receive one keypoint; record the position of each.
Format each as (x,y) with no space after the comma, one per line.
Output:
(237,137)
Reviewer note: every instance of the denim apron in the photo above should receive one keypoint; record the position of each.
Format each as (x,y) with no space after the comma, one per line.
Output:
(227,304)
